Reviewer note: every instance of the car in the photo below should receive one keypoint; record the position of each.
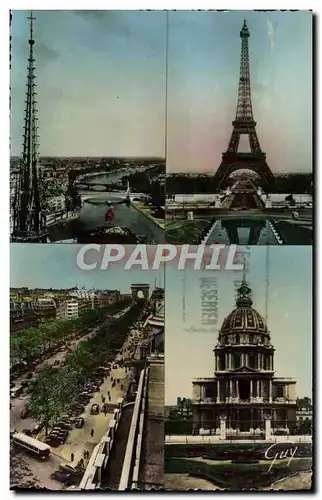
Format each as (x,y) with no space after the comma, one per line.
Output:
(68,468)
(79,423)
(16,391)
(24,413)
(95,409)
(62,477)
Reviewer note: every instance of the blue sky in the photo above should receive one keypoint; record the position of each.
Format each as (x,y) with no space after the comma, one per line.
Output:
(203,75)
(189,354)
(101,82)
(54,266)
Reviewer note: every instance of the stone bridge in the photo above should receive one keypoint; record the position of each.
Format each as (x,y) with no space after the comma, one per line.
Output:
(90,186)
(85,195)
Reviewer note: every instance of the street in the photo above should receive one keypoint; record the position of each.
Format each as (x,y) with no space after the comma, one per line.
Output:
(81,439)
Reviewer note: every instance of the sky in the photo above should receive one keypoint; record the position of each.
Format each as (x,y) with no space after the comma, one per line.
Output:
(203,75)
(55,266)
(101,82)
(189,354)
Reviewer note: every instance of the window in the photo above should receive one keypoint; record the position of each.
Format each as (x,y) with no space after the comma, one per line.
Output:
(237,361)
(279,391)
(251,361)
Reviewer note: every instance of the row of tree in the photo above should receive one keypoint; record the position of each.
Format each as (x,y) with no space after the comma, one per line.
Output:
(32,343)
(56,389)
(292,183)
(147,182)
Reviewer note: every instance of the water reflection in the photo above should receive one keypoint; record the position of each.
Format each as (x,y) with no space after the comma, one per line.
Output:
(244,232)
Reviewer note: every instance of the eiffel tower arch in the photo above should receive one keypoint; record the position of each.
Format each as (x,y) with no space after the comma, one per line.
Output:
(244,124)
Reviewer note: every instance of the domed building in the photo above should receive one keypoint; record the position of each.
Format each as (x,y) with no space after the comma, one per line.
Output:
(244,398)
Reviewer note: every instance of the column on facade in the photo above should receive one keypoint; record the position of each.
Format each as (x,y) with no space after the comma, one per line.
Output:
(237,390)
(223,428)
(268,428)
(260,389)
(246,358)
(259,361)
(226,361)
(218,391)
(230,388)
(251,389)
(230,361)
(270,391)
(242,359)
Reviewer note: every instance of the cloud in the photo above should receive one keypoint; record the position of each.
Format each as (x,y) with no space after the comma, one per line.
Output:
(129,25)
(43,52)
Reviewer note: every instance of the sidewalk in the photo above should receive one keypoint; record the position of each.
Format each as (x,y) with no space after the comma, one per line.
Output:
(80,439)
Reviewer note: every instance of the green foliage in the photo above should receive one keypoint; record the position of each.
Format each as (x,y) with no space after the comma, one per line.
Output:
(235,476)
(55,389)
(186,231)
(46,402)
(33,343)
(291,183)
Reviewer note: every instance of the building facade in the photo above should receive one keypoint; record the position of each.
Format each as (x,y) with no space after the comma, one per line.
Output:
(244,393)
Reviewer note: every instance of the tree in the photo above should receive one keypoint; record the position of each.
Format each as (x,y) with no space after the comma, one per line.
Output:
(45,397)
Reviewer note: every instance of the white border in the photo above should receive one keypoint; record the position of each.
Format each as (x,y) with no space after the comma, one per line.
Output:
(4,184)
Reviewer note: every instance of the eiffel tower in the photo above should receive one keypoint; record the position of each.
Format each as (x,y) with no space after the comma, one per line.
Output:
(244,123)
(27,206)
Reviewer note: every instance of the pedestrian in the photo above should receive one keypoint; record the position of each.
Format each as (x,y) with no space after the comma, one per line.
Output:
(72,457)
(92,432)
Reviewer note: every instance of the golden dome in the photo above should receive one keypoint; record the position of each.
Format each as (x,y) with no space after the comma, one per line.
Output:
(244,319)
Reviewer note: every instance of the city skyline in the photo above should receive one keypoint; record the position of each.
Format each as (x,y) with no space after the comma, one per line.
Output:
(203,74)
(93,99)
(289,317)
(55,266)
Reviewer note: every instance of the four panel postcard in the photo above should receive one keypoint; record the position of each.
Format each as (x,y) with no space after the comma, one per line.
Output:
(161,250)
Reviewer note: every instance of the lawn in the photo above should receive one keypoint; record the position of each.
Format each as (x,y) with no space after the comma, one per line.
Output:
(236,477)
(186,231)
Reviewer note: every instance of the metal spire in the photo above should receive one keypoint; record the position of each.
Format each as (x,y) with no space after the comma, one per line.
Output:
(28,218)
(244,103)
(243,291)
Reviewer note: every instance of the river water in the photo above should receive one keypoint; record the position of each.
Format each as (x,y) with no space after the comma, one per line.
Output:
(92,215)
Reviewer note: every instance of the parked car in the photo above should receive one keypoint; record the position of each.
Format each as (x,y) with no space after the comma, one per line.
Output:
(62,477)
(16,391)
(79,423)
(68,468)
(95,409)
(24,413)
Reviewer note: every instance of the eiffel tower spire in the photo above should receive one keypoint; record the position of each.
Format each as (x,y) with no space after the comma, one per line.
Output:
(28,220)
(244,124)
(244,102)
